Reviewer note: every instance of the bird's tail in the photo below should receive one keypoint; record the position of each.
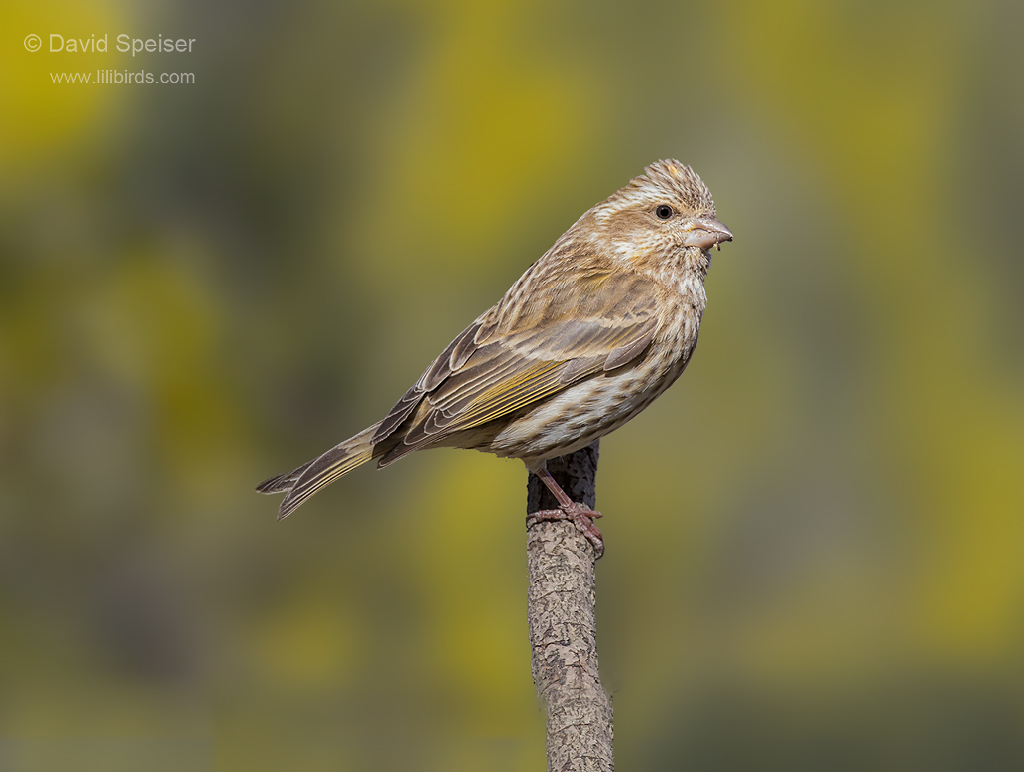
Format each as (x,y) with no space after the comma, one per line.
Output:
(303,482)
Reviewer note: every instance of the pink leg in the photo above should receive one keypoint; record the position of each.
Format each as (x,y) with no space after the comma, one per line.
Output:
(582,516)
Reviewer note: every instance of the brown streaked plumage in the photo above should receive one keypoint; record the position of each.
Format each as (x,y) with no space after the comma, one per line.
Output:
(590,335)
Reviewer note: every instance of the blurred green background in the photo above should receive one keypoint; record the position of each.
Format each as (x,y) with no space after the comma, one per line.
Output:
(814,539)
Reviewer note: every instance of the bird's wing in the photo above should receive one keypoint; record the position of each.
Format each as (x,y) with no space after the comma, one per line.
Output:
(542,337)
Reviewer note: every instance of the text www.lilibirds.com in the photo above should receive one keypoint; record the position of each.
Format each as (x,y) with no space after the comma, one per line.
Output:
(116,77)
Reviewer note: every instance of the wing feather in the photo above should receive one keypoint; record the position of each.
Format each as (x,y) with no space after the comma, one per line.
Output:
(453,357)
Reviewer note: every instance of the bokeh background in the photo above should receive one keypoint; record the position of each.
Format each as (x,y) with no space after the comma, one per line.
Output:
(814,539)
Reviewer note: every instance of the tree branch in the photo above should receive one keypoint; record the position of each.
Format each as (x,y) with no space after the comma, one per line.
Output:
(560,609)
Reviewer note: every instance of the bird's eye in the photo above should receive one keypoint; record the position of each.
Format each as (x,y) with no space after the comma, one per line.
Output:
(664,212)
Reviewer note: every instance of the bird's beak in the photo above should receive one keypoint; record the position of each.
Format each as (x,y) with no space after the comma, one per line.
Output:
(705,232)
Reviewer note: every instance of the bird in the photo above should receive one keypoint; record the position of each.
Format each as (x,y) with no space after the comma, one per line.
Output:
(590,335)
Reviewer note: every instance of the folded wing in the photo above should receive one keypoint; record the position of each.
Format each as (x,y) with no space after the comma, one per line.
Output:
(545,335)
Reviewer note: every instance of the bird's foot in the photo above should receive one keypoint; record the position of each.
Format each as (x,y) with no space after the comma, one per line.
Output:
(583,517)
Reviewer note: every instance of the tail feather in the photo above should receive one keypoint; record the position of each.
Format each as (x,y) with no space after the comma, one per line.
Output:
(303,482)
(283,482)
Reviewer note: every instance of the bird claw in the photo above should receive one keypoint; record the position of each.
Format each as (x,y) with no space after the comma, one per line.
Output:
(582,517)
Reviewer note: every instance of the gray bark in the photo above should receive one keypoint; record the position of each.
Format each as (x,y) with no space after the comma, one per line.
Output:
(560,609)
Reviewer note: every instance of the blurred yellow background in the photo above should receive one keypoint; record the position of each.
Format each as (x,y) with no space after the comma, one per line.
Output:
(815,539)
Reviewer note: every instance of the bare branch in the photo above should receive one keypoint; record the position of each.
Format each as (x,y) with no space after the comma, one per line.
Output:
(560,609)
